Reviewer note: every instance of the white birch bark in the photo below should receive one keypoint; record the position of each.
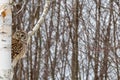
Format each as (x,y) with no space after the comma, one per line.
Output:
(5,40)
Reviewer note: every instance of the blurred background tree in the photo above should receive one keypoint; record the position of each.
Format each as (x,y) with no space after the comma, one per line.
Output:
(78,40)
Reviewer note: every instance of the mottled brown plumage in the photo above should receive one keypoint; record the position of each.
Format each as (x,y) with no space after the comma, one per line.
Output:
(19,46)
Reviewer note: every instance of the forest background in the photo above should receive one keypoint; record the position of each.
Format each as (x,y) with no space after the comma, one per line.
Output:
(79,40)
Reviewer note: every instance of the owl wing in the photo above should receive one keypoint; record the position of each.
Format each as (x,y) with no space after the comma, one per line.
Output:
(16,47)
(18,50)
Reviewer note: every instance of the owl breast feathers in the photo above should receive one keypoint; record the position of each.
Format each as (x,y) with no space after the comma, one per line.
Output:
(19,46)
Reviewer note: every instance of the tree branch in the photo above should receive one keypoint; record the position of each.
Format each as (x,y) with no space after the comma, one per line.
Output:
(41,20)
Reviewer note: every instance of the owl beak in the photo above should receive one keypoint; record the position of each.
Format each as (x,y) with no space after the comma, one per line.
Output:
(18,38)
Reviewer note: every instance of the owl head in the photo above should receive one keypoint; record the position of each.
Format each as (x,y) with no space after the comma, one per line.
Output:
(20,35)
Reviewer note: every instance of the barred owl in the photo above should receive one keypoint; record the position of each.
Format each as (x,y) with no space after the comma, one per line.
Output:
(19,46)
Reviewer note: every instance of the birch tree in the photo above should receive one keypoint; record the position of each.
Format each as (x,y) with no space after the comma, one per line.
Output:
(5,40)
(5,37)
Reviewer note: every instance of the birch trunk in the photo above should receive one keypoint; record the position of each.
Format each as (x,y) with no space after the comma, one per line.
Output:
(5,40)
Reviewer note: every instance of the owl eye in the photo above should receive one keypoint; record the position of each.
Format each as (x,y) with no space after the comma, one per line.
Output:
(17,34)
(22,35)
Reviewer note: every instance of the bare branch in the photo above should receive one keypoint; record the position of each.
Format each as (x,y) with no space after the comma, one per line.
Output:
(41,20)
(22,7)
